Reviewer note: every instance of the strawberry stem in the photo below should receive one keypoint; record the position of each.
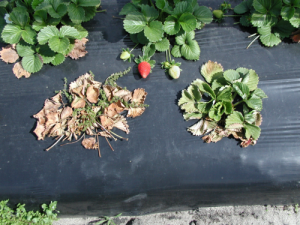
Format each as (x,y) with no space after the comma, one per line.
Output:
(134,47)
(61,137)
(253,41)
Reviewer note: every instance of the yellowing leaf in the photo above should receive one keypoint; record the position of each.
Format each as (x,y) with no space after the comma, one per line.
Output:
(211,70)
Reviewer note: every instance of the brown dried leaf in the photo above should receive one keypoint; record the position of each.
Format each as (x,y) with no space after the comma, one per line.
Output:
(57,130)
(104,134)
(78,91)
(79,49)
(109,91)
(121,123)
(106,122)
(89,143)
(92,94)
(139,96)
(258,119)
(67,111)
(124,94)
(114,108)
(78,103)
(9,55)
(40,128)
(246,143)
(84,80)
(134,112)
(51,119)
(19,71)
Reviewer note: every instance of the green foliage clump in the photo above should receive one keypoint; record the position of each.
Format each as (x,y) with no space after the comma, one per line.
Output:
(20,216)
(274,19)
(155,24)
(229,103)
(44,31)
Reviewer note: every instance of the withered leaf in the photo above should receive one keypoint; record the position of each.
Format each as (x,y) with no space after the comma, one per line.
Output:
(40,128)
(19,71)
(9,55)
(67,111)
(124,94)
(92,94)
(134,112)
(139,96)
(114,108)
(78,103)
(109,91)
(89,143)
(84,80)
(104,134)
(106,122)
(78,91)
(121,123)
(79,49)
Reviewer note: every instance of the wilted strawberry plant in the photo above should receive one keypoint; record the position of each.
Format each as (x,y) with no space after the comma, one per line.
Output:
(274,19)
(160,24)
(43,31)
(228,103)
(93,109)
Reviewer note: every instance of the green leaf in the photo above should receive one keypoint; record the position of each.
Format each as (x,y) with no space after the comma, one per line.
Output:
(235,120)
(89,13)
(135,22)
(67,31)
(134,38)
(260,20)
(87,3)
(164,6)
(171,25)
(245,20)
(283,29)
(241,89)
(254,102)
(24,49)
(252,131)
(251,80)
(188,22)
(40,16)
(245,109)
(46,33)
(194,92)
(35,3)
(47,54)
(192,116)
(268,6)
(270,40)
(204,107)
(32,63)
(76,13)
(154,31)
(82,31)
(59,59)
(231,75)
(191,50)
(250,117)
(149,50)
(29,35)
(216,111)
(142,38)
(225,95)
(128,8)
(260,93)
(203,14)
(149,12)
(287,12)
(19,16)
(59,44)
(11,34)
(295,20)
(228,107)
(176,51)
(218,82)
(204,87)
(3,3)
(162,45)
(186,97)
(241,8)
(182,7)
(59,12)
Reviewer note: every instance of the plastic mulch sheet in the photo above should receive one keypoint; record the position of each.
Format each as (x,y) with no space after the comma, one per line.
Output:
(162,166)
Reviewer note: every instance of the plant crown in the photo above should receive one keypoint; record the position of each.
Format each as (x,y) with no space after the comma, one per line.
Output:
(44,31)
(154,23)
(228,103)
(274,19)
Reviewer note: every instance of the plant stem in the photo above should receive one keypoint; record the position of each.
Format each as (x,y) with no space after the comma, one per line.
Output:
(234,95)
(115,17)
(74,141)
(231,15)
(236,23)
(238,103)
(61,137)
(109,144)
(134,47)
(118,136)
(253,41)
(97,138)
(104,10)
(252,35)
(152,3)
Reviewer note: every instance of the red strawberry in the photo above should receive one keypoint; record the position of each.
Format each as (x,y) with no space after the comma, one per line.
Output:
(144,69)
(144,65)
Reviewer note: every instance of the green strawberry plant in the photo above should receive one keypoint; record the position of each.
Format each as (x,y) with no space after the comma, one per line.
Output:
(160,24)
(44,31)
(274,19)
(228,103)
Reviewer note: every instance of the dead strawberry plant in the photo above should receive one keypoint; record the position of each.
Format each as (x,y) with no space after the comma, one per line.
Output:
(92,111)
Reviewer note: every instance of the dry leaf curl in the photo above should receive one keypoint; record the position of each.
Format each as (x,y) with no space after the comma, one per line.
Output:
(19,71)
(8,54)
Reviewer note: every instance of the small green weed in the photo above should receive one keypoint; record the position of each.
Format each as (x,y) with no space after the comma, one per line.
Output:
(108,220)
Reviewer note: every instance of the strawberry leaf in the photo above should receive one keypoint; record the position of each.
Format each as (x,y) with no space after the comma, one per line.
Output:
(32,63)
(29,35)
(58,59)
(59,12)
(254,102)
(260,93)
(11,33)
(191,50)
(231,75)
(149,50)
(211,70)
(162,45)
(82,32)
(251,80)
(135,22)
(76,14)
(171,25)
(252,131)
(154,31)
(59,44)
(241,8)
(47,54)
(87,3)
(142,38)
(89,13)
(176,51)
(188,22)
(225,95)
(267,38)
(24,49)
(149,12)
(67,31)
(260,20)
(203,14)
(295,20)
(128,8)
(268,6)
(19,16)
(287,12)
(236,119)
(182,7)
(46,33)
(241,89)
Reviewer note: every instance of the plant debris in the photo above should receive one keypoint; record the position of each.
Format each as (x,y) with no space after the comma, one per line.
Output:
(8,54)
(228,104)
(93,109)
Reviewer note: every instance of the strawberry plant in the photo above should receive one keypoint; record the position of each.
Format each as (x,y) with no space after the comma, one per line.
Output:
(228,103)
(274,19)
(44,31)
(159,24)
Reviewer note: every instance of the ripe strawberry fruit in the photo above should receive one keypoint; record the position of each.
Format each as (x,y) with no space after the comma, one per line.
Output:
(144,69)
(144,65)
